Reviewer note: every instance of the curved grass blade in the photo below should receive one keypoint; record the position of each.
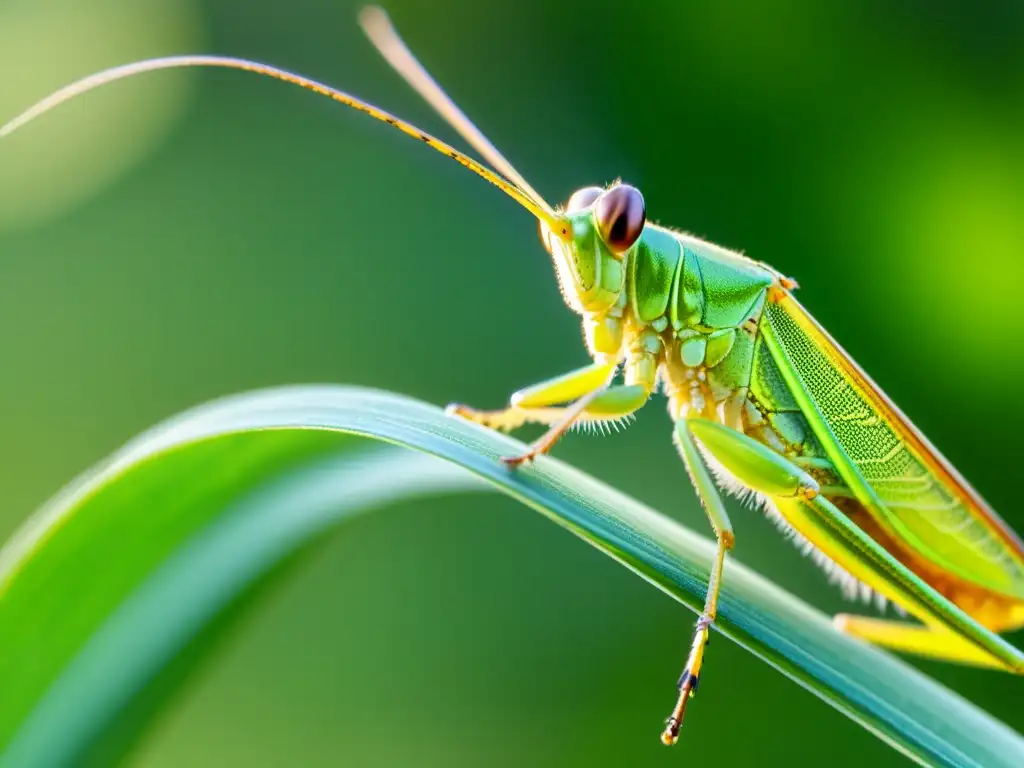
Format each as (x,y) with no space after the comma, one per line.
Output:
(113,582)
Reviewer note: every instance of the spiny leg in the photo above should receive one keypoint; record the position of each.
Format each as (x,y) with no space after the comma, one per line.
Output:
(597,412)
(917,639)
(640,374)
(946,631)
(532,403)
(546,442)
(594,399)
(719,518)
(610,405)
(611,402)
(590,387)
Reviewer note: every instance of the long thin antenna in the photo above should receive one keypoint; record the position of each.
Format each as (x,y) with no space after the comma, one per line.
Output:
(384,36)
(539,209)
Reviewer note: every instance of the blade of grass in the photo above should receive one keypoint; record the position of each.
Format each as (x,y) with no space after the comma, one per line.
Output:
(115,580)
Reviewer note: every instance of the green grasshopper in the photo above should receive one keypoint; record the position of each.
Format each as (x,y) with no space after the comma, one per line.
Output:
(766,404)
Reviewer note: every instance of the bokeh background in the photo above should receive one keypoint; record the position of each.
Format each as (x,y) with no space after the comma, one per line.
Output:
(189,235)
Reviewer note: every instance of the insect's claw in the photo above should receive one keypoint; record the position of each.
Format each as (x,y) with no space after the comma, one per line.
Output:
(689,680)
(687,689)
(515,461)
(671,733)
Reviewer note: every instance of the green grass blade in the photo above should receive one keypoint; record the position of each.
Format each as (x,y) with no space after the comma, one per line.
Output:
(137,564)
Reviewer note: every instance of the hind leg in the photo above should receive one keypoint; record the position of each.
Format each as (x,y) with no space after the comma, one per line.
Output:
(917,639)
(945,631)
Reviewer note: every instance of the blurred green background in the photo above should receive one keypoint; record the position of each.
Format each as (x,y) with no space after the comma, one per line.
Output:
(189,235)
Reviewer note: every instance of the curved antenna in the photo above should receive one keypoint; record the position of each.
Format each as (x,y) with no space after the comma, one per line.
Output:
(539,209)
(384,36)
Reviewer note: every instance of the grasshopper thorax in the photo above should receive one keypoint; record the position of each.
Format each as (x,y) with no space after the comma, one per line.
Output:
(605,225)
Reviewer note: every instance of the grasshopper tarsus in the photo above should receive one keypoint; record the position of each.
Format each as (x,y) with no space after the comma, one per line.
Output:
(687,688)
(671,733)
(517,461)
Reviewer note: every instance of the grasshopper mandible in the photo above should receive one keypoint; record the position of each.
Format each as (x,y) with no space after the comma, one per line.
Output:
(765,403)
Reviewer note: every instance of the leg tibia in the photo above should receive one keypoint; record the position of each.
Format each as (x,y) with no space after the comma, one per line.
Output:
(917,639)
(796,496)
(621,402)
(832,532)
(610,405)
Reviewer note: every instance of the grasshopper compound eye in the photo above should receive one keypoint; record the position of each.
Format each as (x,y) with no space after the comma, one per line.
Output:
(583,198)
(620,215)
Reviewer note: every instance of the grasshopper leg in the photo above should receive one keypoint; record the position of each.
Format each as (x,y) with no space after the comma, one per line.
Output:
(532,404)
(506,419)
(593,400)
(920,640)
(945,630)
(509,419)
(719,518)
(604,405)
(546,442)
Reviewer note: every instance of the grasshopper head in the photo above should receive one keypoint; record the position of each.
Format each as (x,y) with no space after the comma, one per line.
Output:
(604,225)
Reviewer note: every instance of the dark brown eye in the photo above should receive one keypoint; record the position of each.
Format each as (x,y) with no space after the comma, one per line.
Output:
(583,198)
(620,214)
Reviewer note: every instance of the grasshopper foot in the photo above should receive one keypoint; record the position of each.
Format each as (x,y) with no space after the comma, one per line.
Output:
(687,690)
(523,458)
(461,410)
(505,420)
(688,681)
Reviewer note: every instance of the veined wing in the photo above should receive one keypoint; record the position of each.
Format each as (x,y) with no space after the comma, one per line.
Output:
(913,492)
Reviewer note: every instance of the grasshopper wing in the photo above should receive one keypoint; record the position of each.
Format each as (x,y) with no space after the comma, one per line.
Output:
(910,490)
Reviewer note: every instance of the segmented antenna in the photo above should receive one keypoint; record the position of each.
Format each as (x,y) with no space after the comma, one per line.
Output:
(525,198)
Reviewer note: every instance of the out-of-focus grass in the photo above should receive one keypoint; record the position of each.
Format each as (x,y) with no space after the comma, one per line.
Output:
(114,590)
